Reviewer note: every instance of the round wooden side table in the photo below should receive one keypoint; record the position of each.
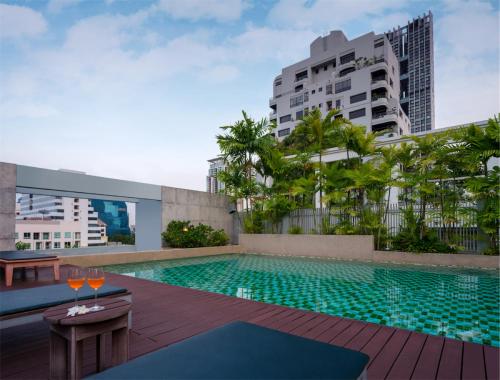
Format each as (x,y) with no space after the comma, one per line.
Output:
(67,335)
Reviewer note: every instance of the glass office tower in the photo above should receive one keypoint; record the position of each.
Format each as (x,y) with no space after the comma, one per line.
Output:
(114,214)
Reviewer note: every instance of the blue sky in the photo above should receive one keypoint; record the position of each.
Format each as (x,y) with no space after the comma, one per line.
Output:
(137,89)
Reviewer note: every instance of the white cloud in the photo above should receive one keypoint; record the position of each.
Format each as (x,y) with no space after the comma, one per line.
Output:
(220,73)
(56,6)
(219,10)
(16,22)
(324,14)
(13,110)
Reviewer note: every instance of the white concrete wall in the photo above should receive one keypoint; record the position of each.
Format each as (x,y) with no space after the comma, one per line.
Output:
(348,247)
(197,207)
(354,247)
(7,206)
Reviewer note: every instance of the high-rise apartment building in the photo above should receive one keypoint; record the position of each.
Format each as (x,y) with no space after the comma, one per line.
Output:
(413,45)
(58,222)
(214,185)
(360,77)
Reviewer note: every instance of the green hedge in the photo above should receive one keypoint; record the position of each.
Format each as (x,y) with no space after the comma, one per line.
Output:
(182,234)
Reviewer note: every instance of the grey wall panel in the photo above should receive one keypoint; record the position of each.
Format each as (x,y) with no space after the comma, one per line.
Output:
(45,179)
(7,206)
(148,225)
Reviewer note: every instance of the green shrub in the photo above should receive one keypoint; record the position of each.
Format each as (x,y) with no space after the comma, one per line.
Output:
(20,246)
(253,223)
(218,238)
(410,242)
(182,234)
(295,230)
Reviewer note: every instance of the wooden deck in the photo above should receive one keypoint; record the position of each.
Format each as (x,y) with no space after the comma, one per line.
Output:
(164,314)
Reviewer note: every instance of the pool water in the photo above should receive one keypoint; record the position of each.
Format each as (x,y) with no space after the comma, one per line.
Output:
(456,303)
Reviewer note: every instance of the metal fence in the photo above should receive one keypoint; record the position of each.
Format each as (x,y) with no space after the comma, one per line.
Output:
(463,230)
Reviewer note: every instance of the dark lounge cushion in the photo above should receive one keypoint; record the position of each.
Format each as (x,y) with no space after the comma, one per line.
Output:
(20,255)
(42,297)
(242,350)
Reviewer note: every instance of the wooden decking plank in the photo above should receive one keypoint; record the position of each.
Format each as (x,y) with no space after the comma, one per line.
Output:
(428,362)
(363,337)
(322,327)
(381,363)
(473,362)
(450,365)
(377,342)
(491,361)
(334,330)
(303,329)
(346,335)
(407,360)
(302,320)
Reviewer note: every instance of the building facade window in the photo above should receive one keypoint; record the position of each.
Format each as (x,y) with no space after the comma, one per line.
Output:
(46,236)
(347,58)
(342,86)
(67,235)
(358,97)
(379,43)
(57,235)
(357,113)
(284,119)
(16,236)
(277,83)
(57,244)
(338,103)
(36,235)
(299,115)
(284,132)
(77,235)
(296,101)
(301,75)
(27,235)
(329,89)
(67,244)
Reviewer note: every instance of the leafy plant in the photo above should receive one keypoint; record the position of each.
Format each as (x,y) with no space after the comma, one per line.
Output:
(295,230)
(20,246)
(182,234)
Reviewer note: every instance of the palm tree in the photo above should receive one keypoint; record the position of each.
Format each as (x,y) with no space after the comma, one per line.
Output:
(243,144)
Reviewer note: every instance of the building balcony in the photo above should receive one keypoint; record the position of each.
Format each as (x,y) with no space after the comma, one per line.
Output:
(272,102)
(378,83)
(379,100)
(384,117)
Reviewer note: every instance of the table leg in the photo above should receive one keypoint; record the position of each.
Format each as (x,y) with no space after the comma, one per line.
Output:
(119,342)
(75,357)
(58,357)
(9,272)
(101,352)
(56,271)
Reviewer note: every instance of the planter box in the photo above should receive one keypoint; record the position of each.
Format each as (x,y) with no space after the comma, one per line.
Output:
(348,247)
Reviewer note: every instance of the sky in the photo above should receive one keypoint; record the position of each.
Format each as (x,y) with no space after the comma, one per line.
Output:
(137,90)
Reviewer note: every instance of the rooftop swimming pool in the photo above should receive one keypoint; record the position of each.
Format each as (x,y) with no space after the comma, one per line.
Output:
(456,303)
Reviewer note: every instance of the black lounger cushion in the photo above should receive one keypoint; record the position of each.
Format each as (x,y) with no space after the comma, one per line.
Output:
(23,255)
(42,297)
(242,350)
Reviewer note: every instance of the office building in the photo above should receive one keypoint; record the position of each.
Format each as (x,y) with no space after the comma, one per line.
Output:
(47,222)
(360,77)
(414,47)
(114,214)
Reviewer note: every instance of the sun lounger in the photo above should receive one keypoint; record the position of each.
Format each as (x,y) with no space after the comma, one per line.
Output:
(27,305)
(242,350)
(10,260)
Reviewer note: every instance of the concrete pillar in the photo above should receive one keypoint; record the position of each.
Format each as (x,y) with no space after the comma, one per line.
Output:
(8,176)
